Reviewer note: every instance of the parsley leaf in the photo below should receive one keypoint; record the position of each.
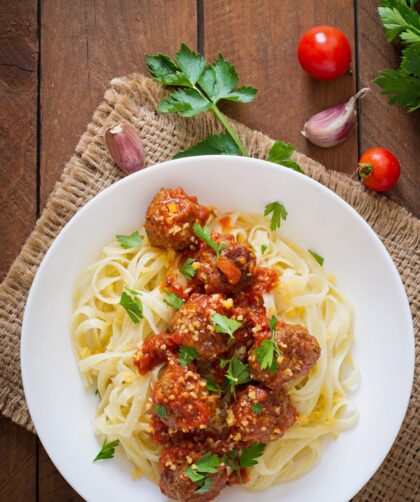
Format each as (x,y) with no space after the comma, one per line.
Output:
(265,353)
(212,145)
(186,102)
(400,20)
(107,450)
(212,387)
(173,300)
(203,233)
(206,486)
(132,304)
(165,71)
(317,257)
(264,248)
(97,393)
(160,411)
(257,408)
(281,153)
(279,213)
(187,269)
(129,241)
(190,63)
(249,456)
(237,373)
(225,325)
(186,355)
(207,464)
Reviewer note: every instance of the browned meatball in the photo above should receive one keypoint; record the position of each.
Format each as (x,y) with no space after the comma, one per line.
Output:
(193,326)
(180,399)
(171,216)
(300,351)
(260,415)
(175,484)
(229,273)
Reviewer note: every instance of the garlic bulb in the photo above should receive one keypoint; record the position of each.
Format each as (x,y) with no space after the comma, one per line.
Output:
(125,147)
(331,126)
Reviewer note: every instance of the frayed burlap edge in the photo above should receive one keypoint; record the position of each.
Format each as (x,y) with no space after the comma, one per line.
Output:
(90,170)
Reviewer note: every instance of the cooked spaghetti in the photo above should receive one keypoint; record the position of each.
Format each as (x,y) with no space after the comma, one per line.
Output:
(127,349)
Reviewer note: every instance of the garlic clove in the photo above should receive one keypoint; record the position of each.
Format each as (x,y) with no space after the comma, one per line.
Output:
(332,126)
(125,147)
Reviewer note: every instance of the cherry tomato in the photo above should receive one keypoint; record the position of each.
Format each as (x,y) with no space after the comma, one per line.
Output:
(379,169)
(324,52)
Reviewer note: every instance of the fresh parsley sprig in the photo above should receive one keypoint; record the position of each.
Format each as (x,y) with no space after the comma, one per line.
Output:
(318,258)
(401,21)
(212,386)
(186,355)
(187,270)
(207,464)
(160,411)
(203,233)
(129,241)
(281,153)
(278,212)
(173,300)
(200,86)
(265,353)
(107,450)
(131,302)
(225,325)
(222,144)
(237,372)
(247,458)
(257,408)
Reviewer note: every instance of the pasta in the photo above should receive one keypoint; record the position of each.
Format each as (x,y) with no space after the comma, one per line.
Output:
(105,340)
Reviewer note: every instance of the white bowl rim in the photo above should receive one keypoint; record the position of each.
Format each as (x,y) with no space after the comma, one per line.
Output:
(386,447)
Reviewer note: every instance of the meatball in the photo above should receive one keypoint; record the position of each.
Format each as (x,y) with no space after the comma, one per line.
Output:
(175,484)
(180,399)
(229,272)
(300,352)
(171,216)
(193,326)
(153,351)
(260,415)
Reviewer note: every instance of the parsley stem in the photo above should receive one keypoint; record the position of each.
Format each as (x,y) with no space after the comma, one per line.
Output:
(229,129)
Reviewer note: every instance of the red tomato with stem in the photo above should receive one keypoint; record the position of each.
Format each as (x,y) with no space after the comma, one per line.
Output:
(379,169)
(324,52)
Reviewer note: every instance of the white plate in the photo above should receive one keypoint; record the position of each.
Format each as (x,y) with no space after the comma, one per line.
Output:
(318,219)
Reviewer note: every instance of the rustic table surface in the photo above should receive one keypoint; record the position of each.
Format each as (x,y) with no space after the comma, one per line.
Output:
(57,57)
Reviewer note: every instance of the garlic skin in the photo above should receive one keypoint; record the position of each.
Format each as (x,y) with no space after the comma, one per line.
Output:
(331,126)
(125,147)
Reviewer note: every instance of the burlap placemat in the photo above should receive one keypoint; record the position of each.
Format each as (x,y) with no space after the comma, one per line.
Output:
(90,170)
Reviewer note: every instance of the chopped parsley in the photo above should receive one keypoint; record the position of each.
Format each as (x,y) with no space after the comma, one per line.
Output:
(278,212)
(249,455)
(257,408)
(173,300)
(187,269)
(130,241)
(317,257)
(212,387)
(160,411)
(237,372)
(207,464)
(107,450)
(131,302)
(225,325)
(186,355)
(264,248)
(203,233)
(266,352)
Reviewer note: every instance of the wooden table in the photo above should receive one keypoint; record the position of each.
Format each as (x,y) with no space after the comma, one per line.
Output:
(57,57)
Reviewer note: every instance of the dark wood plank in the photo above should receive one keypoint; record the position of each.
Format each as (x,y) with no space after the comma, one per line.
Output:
(85,44)
(18,92)
(260,37)
(381,124)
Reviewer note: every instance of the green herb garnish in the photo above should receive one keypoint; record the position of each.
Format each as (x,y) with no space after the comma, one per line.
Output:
(131,302)
(212,387)
(281,153)
(225,325)
(160,411)
(129,241)
(264,248)
(187,269)
(186,355)
(265,353)
(173,300)
(107,450)
(212,145)
(257,408)
(237,372)
(278,213)
(97,393)
(203,233)
(317,257)
(207,464)
(249,455)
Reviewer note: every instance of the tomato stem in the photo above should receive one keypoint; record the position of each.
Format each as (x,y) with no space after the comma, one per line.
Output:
(365,169)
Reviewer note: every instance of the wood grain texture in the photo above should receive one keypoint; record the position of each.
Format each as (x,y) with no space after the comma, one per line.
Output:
(18,98)
(18,105)
(381,124)
(85,44)
(260,37)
